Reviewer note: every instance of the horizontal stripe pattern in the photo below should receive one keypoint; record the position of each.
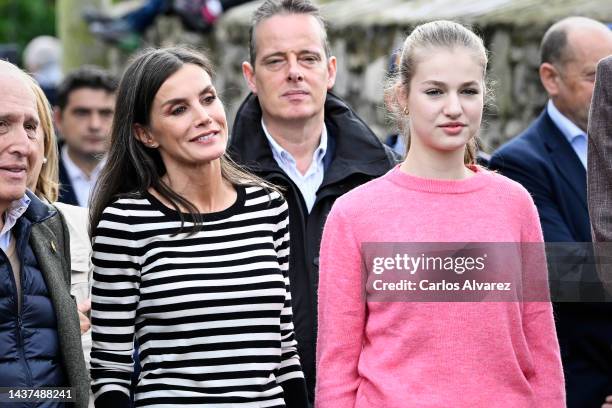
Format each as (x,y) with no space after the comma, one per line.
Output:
(211,311)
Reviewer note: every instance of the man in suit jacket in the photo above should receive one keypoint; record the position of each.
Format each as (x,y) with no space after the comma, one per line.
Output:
(600,173)
(39,325)
(600,154)
(83,116)
(293,132)
(549,159)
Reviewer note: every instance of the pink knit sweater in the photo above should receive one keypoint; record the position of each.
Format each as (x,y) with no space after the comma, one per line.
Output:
(408,354)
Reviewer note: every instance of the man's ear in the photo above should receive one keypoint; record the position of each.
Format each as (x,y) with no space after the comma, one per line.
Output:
(331,72)
(550,77)
(249,75)
(144,136)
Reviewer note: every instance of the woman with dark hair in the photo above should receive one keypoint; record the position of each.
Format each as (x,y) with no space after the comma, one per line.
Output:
(190,253)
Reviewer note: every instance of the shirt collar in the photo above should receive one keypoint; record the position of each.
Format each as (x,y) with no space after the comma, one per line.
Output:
(566,126)
(74,172)
(11,215)
(280,153)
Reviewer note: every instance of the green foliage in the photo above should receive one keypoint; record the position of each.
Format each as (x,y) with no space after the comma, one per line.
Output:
(22,20)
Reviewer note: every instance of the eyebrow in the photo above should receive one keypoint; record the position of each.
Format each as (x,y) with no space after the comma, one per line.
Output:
(11,117)
(274,54)
(443,84)
(90,109)
(32,119)
(283,53)
(174,101)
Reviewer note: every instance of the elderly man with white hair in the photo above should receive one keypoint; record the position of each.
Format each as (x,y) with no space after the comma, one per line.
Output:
(39,325)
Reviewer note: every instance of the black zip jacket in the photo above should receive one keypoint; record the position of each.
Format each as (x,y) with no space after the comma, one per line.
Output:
(354,156)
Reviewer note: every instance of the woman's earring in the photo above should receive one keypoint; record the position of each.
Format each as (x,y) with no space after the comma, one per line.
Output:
(405,111)
(44,160)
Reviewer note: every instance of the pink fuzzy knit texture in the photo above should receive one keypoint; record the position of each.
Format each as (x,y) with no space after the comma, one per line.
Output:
(408,354)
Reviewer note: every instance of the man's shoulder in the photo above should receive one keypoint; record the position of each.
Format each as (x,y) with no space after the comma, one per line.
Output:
(527,145)
(606,64)
(40,211)
(356,143)
(66,191)
(63,173)
(367,194)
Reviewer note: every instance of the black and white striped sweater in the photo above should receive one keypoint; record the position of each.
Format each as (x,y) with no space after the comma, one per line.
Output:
(211,311)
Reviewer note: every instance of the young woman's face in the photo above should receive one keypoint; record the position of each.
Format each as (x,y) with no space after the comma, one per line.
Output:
(188,124)
(446,99)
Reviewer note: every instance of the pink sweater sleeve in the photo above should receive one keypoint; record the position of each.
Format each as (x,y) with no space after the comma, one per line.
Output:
(341,314)
(547,379)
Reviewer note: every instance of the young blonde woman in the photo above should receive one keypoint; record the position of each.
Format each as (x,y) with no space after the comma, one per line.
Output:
(190,254)
(433,354)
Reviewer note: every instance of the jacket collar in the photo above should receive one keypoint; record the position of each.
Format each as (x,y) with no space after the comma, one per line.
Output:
(38,210)
(66,192)
(356,148)
(562,155)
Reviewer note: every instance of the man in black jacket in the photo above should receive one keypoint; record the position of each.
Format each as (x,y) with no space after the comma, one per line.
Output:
(294,133)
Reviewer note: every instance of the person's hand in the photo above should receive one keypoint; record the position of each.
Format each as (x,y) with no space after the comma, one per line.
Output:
(608,402)
(84,307)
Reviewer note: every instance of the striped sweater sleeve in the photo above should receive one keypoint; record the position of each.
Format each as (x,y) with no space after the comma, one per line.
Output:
(289,375)
(115,296)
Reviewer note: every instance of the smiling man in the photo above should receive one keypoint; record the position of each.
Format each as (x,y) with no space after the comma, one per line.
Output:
(84,115)
(40,343)
(294,133)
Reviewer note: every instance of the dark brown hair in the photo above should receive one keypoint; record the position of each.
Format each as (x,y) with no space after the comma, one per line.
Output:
(132,168)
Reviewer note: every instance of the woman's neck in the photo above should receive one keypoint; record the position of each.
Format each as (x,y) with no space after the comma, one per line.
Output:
(436,165)
(203,186)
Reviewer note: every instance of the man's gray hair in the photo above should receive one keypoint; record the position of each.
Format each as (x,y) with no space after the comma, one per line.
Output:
(283,7)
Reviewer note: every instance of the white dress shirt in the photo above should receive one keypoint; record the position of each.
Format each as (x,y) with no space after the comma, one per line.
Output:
(11,215)
(309,182)
(574,135)
(82,184)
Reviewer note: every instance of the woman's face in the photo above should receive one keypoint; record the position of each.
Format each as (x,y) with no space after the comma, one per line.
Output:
(446,99)
(188,124)
(38,155)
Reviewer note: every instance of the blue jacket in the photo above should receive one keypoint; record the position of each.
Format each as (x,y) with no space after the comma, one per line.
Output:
(30,347)
(543,161)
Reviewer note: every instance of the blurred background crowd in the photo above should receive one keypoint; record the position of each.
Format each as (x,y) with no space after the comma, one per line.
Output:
(363,35)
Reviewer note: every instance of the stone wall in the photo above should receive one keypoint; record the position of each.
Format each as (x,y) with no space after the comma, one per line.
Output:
(364,32)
